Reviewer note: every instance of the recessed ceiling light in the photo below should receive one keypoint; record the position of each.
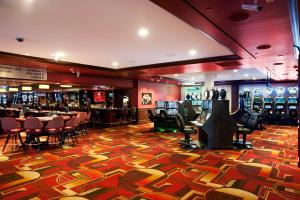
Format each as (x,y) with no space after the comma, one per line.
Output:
(192,52)
(66,86)
(246,75)
(193,78)
(158,80)
(235,70)
(58,55)
(44,86)
(280,56)
(26,88)
(175,75)
(253,78)
(27,54)
(143,32)
(13,89)
(115,64)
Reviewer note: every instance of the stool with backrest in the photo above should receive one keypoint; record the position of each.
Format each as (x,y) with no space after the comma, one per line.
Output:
(33,128)
(133,115)
(54,129)
(124,116)
(82,118)
(70,130)
(187,131)
(247,129)
(87,121)
(96,119)
(13,129)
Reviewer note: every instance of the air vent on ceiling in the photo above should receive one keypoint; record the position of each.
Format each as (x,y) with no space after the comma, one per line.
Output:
(229,63)
(263,46)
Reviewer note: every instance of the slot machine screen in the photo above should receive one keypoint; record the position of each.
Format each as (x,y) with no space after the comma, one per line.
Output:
(172,105)
(256,106)
(292,100)
(280,100)
(268,106)
(279,107)
(205,105)
(160,104)
(267,100)
(99,97)
(292,107)
(172,112)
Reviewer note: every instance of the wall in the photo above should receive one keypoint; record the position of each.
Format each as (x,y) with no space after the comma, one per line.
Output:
(160,91)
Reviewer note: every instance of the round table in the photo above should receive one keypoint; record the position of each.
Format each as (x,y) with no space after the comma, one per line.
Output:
(43,119)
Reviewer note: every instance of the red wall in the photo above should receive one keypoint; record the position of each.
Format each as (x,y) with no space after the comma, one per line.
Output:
(160,91)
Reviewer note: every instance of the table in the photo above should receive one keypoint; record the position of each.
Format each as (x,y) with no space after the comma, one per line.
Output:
(43,119)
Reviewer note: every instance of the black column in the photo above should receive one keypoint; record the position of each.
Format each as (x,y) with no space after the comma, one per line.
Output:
(298,112)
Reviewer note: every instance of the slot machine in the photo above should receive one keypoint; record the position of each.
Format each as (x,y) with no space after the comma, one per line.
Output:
(159,105)
(172,108)
(268,107)
(292,103)
(257,100)
(279,109)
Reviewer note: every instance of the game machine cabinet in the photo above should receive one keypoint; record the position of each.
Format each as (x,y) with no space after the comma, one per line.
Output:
(279,109)
(219,126)
(268,104)
(172,110)
(292,103)
(247,99)
(159,105)
(257,100)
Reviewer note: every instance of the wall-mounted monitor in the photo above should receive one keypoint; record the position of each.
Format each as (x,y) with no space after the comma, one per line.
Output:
(99,96)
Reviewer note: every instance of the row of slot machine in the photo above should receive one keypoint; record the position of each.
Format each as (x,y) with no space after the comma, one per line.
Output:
(30,98)
(278,104)
(171,107)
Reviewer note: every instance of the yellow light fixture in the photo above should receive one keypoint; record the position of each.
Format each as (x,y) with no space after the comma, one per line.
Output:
(26,88)
(13,89)
(3,90)
(66,86)
(43,86)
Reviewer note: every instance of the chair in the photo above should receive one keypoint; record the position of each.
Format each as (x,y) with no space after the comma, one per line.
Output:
(124,116)
(54,129)
(87,121)
(151,116)
(163,118)
(82,117)
(70,130)
(12,128)
(96,119)
(33,128)
(133,115)
(187,131)
(249,127)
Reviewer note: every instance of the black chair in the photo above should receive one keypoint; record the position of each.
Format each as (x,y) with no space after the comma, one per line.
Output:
(151,116)
(248,128)
(187,131)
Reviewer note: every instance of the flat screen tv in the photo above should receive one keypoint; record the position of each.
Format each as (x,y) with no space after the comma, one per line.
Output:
(99,96)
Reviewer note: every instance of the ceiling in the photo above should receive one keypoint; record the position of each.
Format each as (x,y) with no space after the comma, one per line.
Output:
(225,75)
(99,33)
(108,33)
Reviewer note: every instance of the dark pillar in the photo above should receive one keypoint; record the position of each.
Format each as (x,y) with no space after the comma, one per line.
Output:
(298,109)
(234,97)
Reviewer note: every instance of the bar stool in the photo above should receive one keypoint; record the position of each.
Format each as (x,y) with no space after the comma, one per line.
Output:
(12,128)
(82,118)
(70,130)
(54,129)
(96,119)
(87,121)
(33,128)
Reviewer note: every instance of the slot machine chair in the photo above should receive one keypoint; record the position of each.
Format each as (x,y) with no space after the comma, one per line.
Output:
(187,143)
(250,124)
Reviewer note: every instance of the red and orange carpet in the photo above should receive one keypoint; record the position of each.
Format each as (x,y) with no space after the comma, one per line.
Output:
(134,163)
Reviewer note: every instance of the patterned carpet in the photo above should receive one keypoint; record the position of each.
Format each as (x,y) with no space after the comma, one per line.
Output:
(135,163)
